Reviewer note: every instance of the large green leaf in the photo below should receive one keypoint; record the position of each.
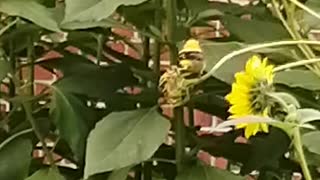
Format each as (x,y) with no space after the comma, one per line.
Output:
(307,115)
(120,174)
(69,113)
(31,10)
(46,174)
(203,172)
(15,158)
(197,6)
(214,51)
(309,20)
(298,78)
(311,141)
(124,138)
(255,31)
(93,10)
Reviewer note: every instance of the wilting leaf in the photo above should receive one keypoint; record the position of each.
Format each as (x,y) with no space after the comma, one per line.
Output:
(124,138)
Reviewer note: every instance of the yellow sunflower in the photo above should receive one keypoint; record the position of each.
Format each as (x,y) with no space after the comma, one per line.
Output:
(247,96)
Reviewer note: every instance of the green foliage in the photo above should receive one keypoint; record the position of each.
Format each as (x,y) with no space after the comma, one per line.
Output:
(32,11)
(310,20)
(120,174)
(102,114)
(297,78)
(15,155)
(49,174)
(69,114)
(310,141)
(200,171)
(92,11)
(138,135)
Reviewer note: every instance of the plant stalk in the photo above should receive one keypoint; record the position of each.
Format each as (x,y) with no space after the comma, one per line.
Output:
(299,149)
(100,40)
(30,69)
(296,64)
(157,44)
(290,29)
(27,105)
(146,50)
(147,171)
(171,9)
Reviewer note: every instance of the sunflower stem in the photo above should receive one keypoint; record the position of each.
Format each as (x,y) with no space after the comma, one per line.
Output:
(28,105)
(171,10)
(100,42)
(252,48)
(296,64)
(291,30)
(299,149)
(305,8)
(157,44)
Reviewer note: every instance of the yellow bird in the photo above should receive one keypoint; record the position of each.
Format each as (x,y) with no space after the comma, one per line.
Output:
(191,58)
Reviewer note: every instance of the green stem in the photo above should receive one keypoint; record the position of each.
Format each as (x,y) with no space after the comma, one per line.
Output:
(7,27)
(28,109)
(296,64)
(305,8)
(146,50)
(191,115)
(292,22)
(157,44)
(299,148)
(171,30)
(252,48)
(291,30)
(100,40)
(171,9)
(294,25)
(180,137)
(138,172)
(30,69)
(147,171)
(28,105)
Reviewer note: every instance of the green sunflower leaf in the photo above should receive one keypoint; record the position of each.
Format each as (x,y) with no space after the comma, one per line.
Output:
(133,137)
(297,78)
(308,115)
(79,11)
(203,172)
(311,141)
(49,174)
(286,97)
(31,10)
(15,156)
(120,174)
